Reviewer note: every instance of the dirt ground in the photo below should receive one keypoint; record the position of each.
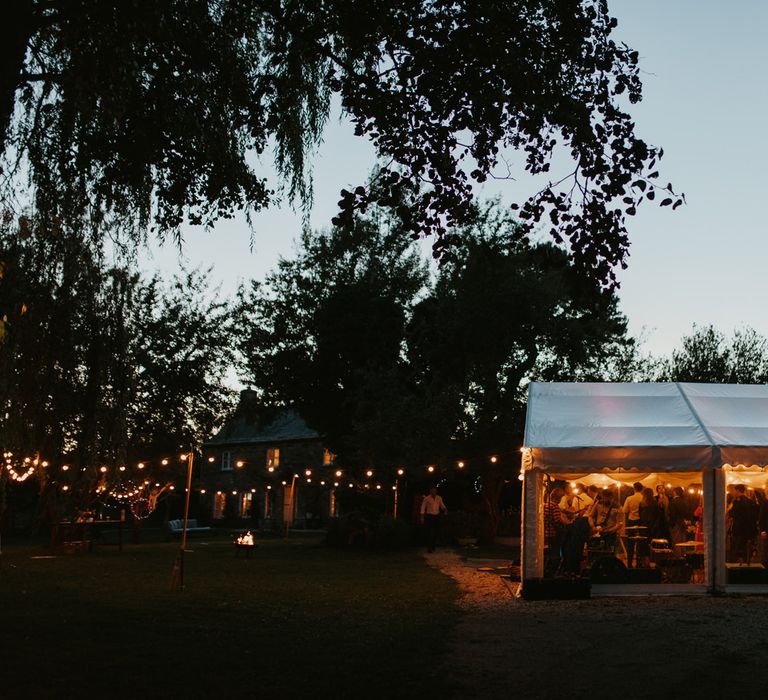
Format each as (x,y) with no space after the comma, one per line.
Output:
(629,647)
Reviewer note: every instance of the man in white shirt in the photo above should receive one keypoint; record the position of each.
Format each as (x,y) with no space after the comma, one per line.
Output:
(431,507)
(632,514)
(575,506)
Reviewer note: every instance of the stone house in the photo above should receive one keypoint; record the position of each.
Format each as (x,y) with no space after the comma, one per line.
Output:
(267,470)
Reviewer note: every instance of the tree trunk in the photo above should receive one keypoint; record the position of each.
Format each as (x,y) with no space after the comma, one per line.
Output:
(17,23)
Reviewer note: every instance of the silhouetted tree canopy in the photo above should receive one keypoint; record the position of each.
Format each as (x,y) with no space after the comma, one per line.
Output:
(707,355)
(396,371)
(160,112)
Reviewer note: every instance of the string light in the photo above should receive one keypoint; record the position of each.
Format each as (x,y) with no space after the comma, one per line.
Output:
(430,469)
(211,460)
(140,465)
(460,465)
(308,472)
(339,472)
(239,463)
(494,459)
(400,471)
(369,473)
(164,462)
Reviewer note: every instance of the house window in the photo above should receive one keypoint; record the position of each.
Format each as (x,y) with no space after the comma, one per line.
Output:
(328,457)
(226,461)
(273,457)
(246,500)
(219,503)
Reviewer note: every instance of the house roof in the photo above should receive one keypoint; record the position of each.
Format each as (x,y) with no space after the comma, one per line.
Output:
(661,425)
(286,426)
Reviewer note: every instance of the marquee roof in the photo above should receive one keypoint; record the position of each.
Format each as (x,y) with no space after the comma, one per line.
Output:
(669,426)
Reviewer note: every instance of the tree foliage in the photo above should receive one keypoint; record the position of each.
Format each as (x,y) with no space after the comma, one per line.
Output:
(325,332)
(707,355)
(160,112)
(101,365)
(394,371)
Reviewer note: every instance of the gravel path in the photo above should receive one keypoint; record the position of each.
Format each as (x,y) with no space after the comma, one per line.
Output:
(696,647)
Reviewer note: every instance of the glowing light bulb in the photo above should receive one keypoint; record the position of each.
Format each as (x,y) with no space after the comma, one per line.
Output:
(461,465)
(400,472)
(430,469)
(211,460)
(239,463)
(369,473)
(494,459)
(338,472)
(140,465)
(164,462)
(103,469)
(65,468)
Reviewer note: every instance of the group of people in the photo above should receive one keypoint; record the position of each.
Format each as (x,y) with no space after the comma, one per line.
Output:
(573,515)
(747,523)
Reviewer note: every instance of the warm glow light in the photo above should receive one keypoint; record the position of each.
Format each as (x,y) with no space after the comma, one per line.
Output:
(394,488)
(270,469)
(309,481)
(378,486)
(308,472)
(239,463)
(269,487)
(322,483)
(338,472)
(218,493)
(44,464)
(253,490)
(182,457)
(122,469)
(246,539)
(494,459)
(157,486)
(202,490)
(285,483)
(430,469)
(400,472)
(521,477)
(369,473)
(461,465)
(350,486)
(173,488)
(211,460)
(691,491)
(140,465)
(164,462)
(335,483)
(103,469)
(65,468)
(65,488)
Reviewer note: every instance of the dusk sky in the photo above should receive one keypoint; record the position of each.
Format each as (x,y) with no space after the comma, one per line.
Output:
(703,65)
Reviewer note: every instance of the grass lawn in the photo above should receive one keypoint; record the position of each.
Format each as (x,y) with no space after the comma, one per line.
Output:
(297,619)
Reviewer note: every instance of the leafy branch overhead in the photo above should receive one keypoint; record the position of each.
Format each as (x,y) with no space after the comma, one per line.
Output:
(161,112)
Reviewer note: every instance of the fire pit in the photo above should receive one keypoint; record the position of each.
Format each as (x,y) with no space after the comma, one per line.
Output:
(245,543)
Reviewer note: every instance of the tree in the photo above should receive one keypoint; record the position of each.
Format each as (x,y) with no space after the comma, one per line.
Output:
(325,331)
(708,356)
(160,112)
(435,372)
(100,366)
(504,312)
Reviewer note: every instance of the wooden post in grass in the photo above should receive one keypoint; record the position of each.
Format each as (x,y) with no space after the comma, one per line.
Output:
(177,576)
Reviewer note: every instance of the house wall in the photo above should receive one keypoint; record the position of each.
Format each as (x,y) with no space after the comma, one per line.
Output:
(311,505)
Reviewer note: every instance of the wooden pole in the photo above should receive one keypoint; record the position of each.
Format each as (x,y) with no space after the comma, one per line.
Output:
(177,577)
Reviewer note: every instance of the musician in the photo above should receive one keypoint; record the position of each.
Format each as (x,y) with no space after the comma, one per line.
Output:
(574,508)
(605,519)
(576,503)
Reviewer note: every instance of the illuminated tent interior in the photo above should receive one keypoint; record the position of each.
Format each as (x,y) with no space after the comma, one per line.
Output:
(704,438)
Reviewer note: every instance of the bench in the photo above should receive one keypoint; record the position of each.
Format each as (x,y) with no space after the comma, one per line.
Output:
(177,526)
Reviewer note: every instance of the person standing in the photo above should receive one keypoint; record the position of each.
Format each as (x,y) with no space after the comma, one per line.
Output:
(632,513)
(431,508)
